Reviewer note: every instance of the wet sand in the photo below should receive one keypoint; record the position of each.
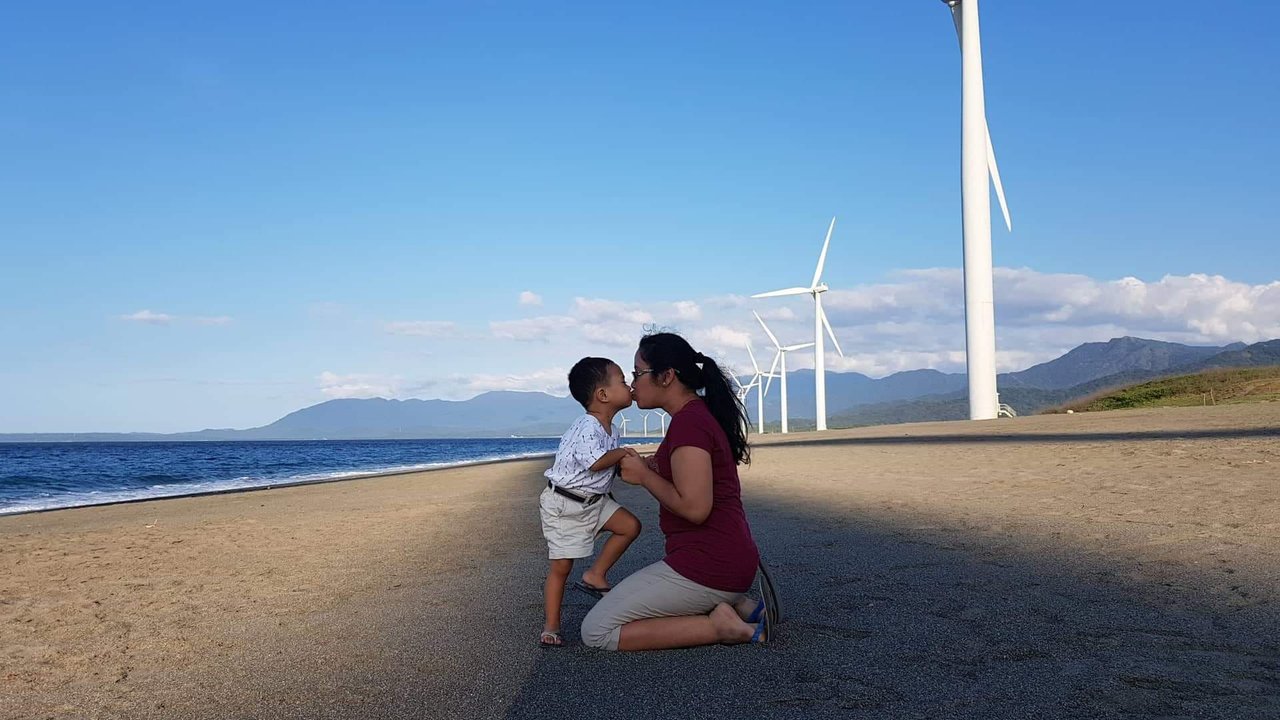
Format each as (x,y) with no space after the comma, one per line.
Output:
(1095,565)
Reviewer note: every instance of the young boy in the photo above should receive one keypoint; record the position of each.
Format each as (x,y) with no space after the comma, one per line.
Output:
(576,505)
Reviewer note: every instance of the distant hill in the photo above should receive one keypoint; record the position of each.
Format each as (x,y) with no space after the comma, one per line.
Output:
(1117,361)
(1258,354)
(1097,360)
(1029,400)
(852,399)
(1215,386)
(492,414)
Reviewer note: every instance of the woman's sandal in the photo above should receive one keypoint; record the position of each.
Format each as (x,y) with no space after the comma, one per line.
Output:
(550,639)
(764,628)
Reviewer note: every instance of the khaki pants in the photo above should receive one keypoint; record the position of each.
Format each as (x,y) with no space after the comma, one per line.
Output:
(654,591)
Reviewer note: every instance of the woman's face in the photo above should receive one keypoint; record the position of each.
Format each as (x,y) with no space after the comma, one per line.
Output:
(645,386)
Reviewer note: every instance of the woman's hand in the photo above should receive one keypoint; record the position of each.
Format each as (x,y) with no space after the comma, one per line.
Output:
(633,469)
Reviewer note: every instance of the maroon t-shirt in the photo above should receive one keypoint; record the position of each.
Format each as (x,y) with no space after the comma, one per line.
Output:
(720,552)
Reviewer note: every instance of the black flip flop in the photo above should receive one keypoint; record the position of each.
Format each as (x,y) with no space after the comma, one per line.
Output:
(591,590)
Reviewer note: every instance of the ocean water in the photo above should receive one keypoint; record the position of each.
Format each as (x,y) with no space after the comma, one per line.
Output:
(42,476)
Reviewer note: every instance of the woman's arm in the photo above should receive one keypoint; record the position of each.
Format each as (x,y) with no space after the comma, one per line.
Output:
(690,495)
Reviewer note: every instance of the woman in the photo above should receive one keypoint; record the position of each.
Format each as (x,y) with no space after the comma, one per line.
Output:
(695,595)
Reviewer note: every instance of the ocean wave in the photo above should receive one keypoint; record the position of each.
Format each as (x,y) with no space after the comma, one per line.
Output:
(42,501)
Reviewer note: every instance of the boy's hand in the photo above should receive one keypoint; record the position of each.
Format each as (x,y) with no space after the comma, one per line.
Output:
(633,468)
(630,451)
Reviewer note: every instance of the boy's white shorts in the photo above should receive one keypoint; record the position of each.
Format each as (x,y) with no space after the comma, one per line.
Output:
(571,527)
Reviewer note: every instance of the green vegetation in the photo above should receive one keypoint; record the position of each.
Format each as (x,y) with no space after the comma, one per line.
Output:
(1211,387)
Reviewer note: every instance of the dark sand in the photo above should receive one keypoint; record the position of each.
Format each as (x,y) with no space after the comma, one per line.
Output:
(1110,565)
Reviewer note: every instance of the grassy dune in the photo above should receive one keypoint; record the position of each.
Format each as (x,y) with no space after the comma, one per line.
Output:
(1211,387)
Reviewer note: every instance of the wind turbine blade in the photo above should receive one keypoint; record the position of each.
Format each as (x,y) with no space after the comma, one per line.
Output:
(801,346)
(992,168)
(830,333)
(736,381)
(772,374)
(767,331)
(822,259)
(995,180)
(783,293)
(754,364)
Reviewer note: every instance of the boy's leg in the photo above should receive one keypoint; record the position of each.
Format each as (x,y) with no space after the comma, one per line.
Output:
(553,592)
(624,528)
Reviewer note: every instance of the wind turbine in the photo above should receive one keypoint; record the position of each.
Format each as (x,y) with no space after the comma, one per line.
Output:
(978,159)
(816,288)
(623,419)
(780,356)
(646,423)
(757,381)
(662,415)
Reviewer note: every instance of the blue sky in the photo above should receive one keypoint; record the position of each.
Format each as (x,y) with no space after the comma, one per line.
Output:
(214,215)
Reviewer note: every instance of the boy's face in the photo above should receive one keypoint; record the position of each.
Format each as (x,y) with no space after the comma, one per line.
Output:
(615,392)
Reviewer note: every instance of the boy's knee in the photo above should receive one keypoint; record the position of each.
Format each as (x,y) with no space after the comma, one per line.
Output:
(632,526)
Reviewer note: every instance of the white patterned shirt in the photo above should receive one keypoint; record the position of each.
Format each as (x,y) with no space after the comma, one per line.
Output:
(581,446)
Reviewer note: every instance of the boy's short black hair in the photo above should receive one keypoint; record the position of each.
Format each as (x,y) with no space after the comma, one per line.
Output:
(588,374)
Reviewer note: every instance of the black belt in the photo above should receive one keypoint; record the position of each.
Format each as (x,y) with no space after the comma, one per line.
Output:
(573,495)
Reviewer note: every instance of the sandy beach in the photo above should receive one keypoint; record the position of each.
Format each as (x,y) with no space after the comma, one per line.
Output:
(1095,565)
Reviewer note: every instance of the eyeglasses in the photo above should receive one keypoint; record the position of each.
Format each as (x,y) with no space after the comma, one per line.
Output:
(635,375)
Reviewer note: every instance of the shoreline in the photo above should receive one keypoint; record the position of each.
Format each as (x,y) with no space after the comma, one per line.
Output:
(295,483)
(278,485)
(893,432)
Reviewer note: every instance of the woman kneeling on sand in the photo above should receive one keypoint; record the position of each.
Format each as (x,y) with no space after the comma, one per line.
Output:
(695,595)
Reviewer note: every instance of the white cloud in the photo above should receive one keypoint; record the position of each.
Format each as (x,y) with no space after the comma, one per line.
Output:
(422,328)
(687,310)
(720,336)
(553,381)
(530,298)
(154,318)
(357,386)
(150,318)
(539,329)
(599,311)
(914,319)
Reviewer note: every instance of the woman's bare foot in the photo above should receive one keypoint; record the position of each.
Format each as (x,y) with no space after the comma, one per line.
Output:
(745,607)
(730,628)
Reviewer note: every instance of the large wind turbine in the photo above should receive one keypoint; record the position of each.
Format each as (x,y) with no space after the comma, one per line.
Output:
(780,355)
(978,159)
(820,322)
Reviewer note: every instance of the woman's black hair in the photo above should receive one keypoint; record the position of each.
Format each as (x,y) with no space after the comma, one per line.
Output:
(668,351)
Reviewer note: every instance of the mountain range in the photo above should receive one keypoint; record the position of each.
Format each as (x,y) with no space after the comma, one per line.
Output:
(852,399)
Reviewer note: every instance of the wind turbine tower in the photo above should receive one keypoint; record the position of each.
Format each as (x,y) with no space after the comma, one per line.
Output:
(978,160)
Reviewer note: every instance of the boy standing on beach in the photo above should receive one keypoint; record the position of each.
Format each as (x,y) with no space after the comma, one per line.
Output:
(576,505)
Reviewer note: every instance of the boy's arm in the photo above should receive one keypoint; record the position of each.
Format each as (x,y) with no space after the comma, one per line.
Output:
(611,458)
